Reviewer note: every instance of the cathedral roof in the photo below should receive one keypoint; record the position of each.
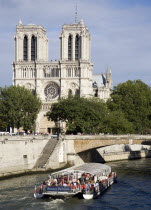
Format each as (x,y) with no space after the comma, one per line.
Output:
(98,80)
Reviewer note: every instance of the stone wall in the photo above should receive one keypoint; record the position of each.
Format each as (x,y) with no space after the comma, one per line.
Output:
(126,155)
(58,158)
(19,154)
(124,152)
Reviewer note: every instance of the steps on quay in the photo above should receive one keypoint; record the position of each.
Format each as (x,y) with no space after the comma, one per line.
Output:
(47,151)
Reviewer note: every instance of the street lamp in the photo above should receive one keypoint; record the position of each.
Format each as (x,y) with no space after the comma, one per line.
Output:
(58,128)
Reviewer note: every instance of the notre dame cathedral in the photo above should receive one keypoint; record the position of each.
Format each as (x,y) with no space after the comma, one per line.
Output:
(72,74)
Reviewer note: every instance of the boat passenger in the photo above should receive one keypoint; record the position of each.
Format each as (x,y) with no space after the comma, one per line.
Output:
(82,180)
(97,186)
(44,182)
(88,186)
(65,184)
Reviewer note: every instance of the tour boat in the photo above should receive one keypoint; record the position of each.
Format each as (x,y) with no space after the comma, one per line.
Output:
(88,180)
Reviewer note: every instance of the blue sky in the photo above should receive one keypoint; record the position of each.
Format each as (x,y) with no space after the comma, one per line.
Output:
(120,33)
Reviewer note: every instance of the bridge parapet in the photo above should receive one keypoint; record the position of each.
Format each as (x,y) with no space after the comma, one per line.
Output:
(128,136)
(82,143)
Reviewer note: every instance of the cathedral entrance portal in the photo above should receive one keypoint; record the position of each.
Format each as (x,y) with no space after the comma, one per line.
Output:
(49,130)
(46,126)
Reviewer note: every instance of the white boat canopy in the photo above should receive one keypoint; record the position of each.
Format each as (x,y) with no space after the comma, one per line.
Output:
(92,168)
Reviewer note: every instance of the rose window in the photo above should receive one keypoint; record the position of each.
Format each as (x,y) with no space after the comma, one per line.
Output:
(51,91)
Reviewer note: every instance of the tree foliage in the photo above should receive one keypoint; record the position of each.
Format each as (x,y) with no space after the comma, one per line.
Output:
(116,123)
(19,107)
(3,125)
(80,114)
(88,116)
(128,111)
(133,99)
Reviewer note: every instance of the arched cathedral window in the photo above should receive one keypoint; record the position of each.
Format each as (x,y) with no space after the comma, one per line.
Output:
(77,92)
(69,93)
(96,93)
(33,48)
(77,47)
(69,47)
(25,51)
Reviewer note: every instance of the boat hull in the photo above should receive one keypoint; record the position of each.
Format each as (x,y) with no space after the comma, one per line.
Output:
(88,196)
(37,195)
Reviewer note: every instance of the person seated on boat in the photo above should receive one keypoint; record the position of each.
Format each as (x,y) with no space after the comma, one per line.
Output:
(84,176)
(56,183)
(78,184)
(60,180)
(59,183)
(92,181)
(75,184)
(44,182)
(49,182)
(92,187)
(55,180)
(95,179)
(78,181)
(83,188)
(82,180)
(65,178)
(70,182)
(96,186)
(64,184)
(100,184)
(88,186)
(53,183)
(73,180)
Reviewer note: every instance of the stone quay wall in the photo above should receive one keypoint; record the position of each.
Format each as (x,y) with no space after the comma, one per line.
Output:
(20,154)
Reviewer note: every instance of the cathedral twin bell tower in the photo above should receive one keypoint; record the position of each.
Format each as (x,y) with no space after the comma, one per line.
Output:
(70,75)
(31,43)
(75,42)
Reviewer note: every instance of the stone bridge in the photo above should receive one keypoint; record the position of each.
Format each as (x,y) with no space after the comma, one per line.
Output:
(83,143)
(76,149)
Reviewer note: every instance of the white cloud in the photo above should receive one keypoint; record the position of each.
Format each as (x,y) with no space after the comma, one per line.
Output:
(120,33)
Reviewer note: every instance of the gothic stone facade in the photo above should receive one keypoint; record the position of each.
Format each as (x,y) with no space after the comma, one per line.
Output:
(70,75)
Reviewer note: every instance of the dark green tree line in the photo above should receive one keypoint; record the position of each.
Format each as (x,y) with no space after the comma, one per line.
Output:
(80,114)
(19,107)
(127,111)
(88,115)
(133,99)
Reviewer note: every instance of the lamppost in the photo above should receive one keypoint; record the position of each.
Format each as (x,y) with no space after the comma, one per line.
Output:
(58,128)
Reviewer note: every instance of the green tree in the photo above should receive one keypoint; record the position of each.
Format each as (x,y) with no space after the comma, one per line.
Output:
(80,114)
(3,125)
(116,123)
(133,98)
(19,107)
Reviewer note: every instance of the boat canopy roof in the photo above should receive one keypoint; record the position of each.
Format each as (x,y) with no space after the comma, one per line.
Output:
(92,168)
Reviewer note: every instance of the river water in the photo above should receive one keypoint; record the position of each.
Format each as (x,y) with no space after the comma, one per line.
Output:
(132,191)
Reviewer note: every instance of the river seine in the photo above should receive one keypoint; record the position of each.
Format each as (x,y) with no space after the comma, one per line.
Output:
(132,191)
